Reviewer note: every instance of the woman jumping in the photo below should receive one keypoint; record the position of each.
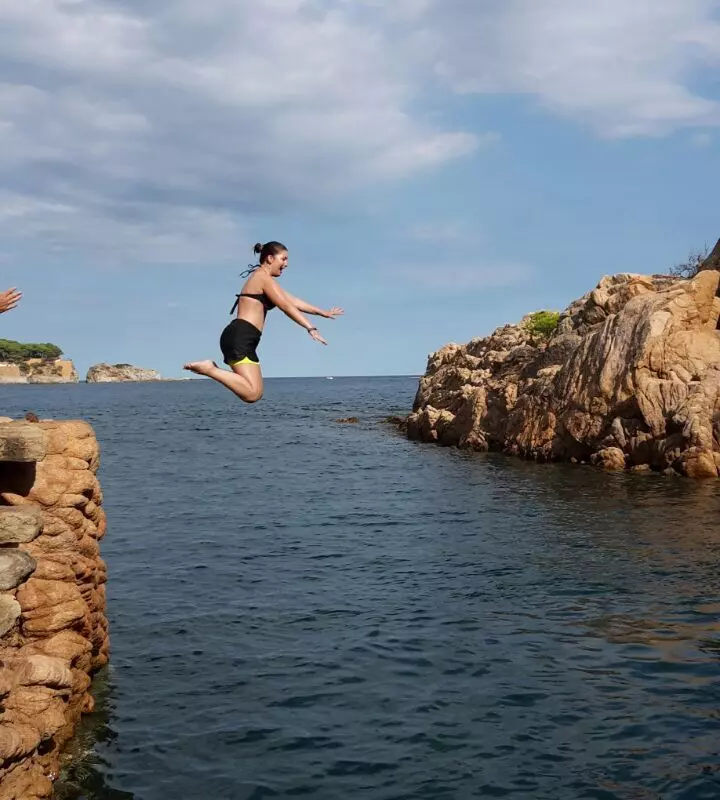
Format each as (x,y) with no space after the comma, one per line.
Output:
(239,340)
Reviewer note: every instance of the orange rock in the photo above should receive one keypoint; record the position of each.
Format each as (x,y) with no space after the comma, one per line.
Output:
(59,547)
(66,645)
(36,706)
(610,459)
(700,465)
(40,594)
(63,616)
(25,781)
(53,571)
(17,740)
(56,632)
(631,370)
(43,670)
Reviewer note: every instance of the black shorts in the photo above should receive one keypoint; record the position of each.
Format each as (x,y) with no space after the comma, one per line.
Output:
(238,343)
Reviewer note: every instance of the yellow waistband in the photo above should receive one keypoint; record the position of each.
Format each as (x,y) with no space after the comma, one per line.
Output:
(245,360)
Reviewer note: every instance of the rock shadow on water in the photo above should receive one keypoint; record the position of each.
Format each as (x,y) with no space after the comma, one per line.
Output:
(82,767)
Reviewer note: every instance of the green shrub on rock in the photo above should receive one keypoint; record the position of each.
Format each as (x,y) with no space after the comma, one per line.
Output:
(542,324)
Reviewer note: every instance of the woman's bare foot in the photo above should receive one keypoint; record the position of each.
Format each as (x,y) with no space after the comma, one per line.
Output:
(201,367)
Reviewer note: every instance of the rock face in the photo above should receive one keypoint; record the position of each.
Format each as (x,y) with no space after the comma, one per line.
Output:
(39,370)
(22,441)
(53,631)
(631,377)
(112,373)
(10,373)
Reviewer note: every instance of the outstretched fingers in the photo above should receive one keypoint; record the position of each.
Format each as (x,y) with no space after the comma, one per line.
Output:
(316,335)
(9,299)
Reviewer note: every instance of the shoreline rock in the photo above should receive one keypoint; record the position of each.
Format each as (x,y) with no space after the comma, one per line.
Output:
(630,379)
(118,373)
(53,630)
(39,370)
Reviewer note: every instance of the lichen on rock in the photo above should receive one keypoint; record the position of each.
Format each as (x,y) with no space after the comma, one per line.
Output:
(630,376)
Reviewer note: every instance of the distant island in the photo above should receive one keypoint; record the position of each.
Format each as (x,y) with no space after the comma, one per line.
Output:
(120,373)
(34,363)
(44,363)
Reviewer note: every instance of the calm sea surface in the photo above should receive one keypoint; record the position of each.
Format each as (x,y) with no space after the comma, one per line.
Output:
(301,608)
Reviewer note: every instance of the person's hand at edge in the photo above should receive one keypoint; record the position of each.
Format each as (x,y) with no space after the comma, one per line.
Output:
(9,299)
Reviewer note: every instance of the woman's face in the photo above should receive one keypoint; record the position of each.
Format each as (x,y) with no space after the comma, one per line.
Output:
(278,263)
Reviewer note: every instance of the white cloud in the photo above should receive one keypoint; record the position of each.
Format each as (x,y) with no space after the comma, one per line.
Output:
(152,126)
(153,129)
(622,68)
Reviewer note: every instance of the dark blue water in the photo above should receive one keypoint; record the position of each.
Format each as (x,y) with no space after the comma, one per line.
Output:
(301,608)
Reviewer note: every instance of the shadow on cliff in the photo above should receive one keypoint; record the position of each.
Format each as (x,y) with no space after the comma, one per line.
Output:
(17,477)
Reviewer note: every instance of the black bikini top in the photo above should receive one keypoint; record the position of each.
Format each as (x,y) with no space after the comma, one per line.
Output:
(262,297)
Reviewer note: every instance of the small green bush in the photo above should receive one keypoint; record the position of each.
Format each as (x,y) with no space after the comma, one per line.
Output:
(542,324)
(15,352)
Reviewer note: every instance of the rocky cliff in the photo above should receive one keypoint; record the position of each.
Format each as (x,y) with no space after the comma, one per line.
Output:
(53,631)
(112,373)
(630,378)
(39,370)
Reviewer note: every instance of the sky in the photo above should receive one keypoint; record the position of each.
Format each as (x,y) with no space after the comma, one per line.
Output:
(436,167)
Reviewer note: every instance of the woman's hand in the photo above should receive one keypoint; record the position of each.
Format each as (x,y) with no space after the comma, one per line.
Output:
(9,299)
(335,311)
(316,335)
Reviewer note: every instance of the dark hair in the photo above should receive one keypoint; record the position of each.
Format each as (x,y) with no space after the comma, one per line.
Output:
(268,249)
(264,251)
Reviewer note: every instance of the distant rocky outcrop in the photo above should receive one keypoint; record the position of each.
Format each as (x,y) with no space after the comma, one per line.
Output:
(114,373)
(629,379)
(39,370)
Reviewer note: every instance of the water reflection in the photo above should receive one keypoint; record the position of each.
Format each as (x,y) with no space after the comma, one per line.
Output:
(82,772)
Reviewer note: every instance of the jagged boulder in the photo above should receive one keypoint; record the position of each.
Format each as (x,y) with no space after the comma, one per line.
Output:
(630,377)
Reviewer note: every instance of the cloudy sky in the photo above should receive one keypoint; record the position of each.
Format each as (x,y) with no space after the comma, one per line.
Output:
(437,167)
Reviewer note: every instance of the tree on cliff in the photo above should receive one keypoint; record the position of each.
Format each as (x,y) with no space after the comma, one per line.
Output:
(713,260)
(15,352)
(698,262)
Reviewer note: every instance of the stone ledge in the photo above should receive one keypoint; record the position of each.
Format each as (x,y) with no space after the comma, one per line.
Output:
(22,441)
(20,524)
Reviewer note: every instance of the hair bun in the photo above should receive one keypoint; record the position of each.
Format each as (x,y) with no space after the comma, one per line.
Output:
(258,248)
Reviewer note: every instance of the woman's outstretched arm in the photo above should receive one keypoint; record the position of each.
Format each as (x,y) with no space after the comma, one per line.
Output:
(284,303)
(309,308)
